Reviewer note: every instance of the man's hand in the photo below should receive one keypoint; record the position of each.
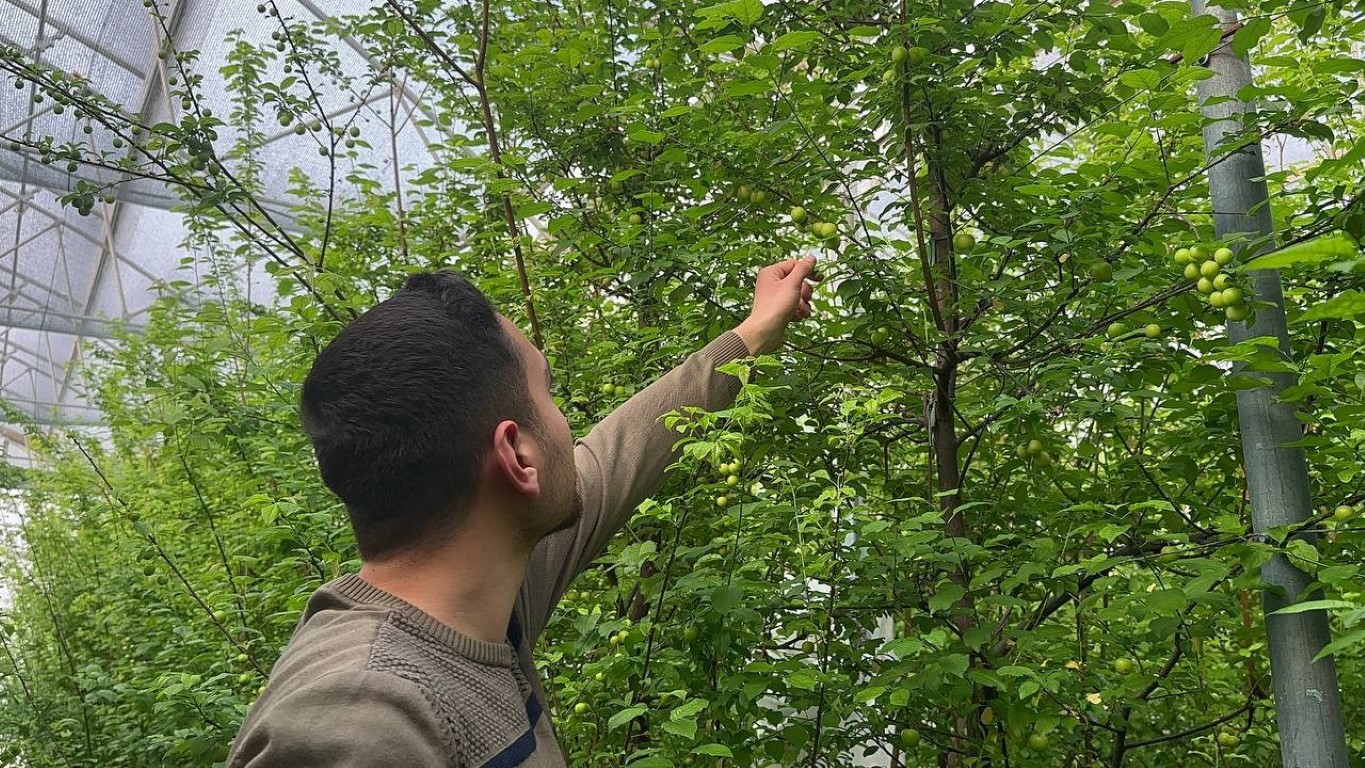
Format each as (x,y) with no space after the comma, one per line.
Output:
(781,294)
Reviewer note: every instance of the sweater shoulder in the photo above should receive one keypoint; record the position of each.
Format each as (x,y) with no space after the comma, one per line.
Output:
(335,634)
(325,703)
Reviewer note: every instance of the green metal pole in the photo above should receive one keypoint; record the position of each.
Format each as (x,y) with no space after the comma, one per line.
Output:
(1307,700)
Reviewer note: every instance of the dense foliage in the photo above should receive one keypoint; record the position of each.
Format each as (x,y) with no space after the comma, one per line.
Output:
(985,509)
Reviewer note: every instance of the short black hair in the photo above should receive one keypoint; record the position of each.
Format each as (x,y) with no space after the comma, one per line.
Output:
(400,407)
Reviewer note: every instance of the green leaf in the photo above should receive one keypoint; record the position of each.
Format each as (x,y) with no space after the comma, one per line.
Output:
(684,728)
(986,678)
(725,598)
(1246,38)
(688,710)
(1314,605)
(746,12)
(1343,306)
(748,88)
(1111,532)
(1345,641)
(638,132)
(869,694)
(1193,37)
(534,208)
(805,679)
(625,716)
(1141,79)
(795,40)
(722,44)
(1303,555)
(955,664)
(1338,574)
(1351,159)
(1326,248)
(1169,601)
(715,750)
(1309,20)
(1153,24)
(946,596)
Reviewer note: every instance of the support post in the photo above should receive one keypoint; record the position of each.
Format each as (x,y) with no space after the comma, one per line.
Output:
(1307,699)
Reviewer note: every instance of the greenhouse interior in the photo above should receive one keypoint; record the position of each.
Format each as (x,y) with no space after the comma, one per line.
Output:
(745,383)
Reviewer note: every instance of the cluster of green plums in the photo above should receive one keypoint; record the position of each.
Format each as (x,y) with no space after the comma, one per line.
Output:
(1035,451)
(635,219)
(1221,290)
(1117,330)
(901,57)
(614,390)
(747,194)
(731,472)
(826,231)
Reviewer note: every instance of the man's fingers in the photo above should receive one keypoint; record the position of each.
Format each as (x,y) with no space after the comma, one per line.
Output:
(799,269)
(806,289)
(802,270)
(781,269)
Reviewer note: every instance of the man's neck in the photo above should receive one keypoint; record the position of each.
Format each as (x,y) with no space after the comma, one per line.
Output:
(470,586)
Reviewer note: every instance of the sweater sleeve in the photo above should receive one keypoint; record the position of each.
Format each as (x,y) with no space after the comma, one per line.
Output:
(353,719)
(620,463)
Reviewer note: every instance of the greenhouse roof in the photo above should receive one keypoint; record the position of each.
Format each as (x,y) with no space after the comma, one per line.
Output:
(71,281)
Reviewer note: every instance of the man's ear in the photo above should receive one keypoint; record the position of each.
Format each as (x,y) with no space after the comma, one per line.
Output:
(512,456)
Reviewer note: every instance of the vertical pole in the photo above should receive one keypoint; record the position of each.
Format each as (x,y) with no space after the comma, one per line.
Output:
(1307,700)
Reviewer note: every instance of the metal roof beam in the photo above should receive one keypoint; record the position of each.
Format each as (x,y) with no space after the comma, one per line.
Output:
(88,237)
(81,38)
(28,119)
(31,319)
(279,208)
(19,293)
(14,249)
(53,416)
(35,368)
(10,346)
(45,421)
(23,195)
(152,85)
(16,275)
(50,178)
(33,206)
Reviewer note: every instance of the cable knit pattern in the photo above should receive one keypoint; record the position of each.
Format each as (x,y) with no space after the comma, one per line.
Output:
(482,709)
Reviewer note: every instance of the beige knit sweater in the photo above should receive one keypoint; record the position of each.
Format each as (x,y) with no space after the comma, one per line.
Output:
(369,680)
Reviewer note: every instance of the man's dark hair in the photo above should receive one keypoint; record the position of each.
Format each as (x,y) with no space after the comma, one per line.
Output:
(400,407)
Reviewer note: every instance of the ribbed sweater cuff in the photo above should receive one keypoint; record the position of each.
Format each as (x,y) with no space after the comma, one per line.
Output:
(724,348)
(365,593)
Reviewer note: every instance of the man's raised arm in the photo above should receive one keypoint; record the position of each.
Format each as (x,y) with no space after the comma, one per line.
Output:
(623,459)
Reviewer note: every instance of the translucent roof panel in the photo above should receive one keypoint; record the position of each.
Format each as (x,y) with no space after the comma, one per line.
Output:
(70,280)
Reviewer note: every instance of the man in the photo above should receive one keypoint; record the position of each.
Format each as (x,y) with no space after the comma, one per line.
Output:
(473,509)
